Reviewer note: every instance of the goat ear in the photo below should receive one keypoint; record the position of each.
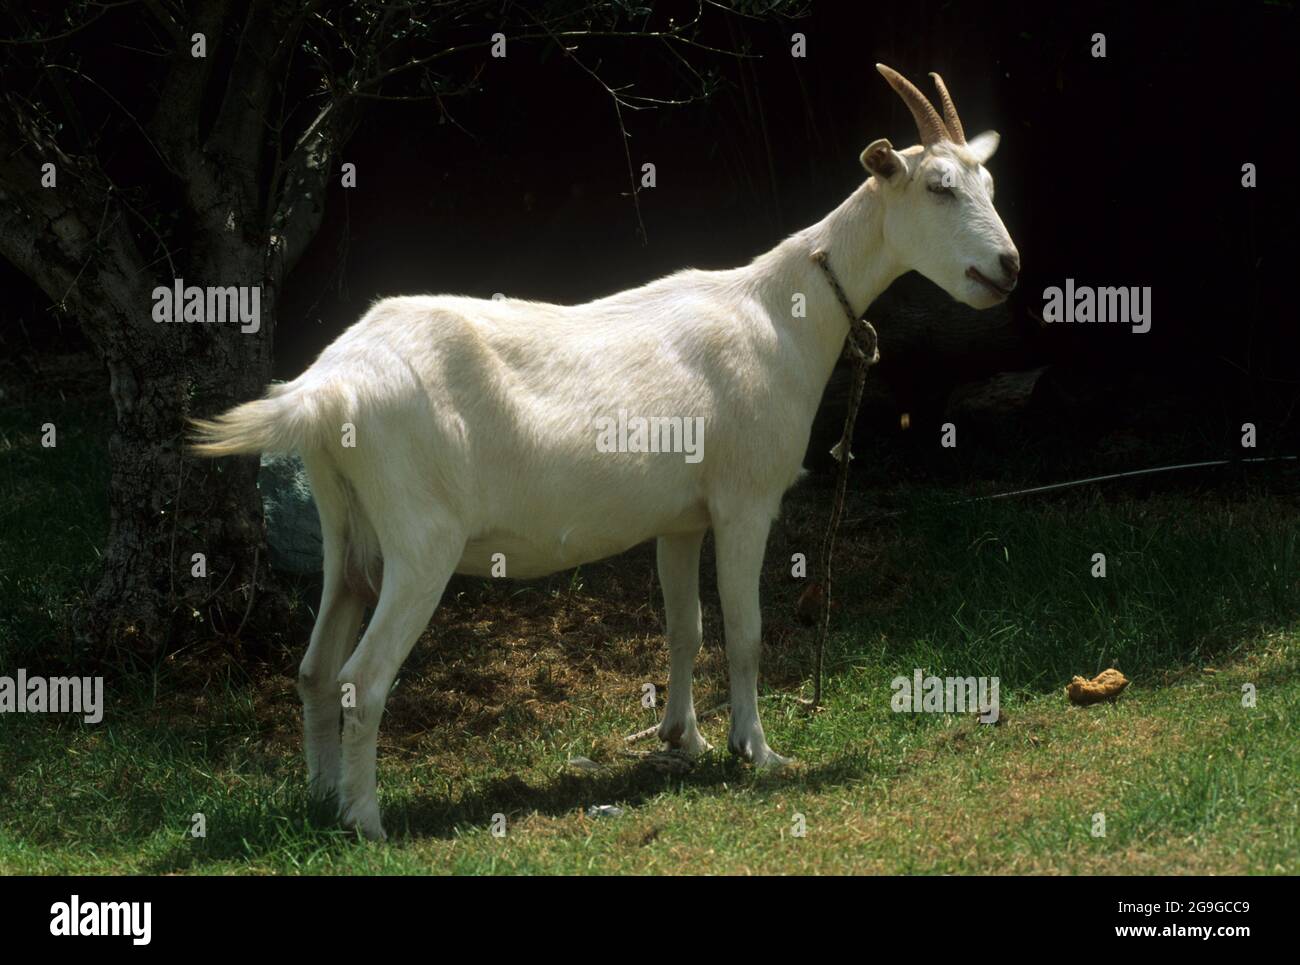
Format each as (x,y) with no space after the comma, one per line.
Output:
(883,161)
(983,145)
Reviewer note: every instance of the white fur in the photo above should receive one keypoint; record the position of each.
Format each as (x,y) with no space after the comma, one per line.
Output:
(474,436)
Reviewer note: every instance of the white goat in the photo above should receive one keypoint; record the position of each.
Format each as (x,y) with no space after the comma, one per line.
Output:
(474,430)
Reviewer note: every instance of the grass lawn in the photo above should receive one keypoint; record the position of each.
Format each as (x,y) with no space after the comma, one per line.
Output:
(514,680)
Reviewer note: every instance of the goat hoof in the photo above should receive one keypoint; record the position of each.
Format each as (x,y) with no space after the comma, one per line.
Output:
(761,756)
(687,740)
(365,821)
(322,792)
(768,758)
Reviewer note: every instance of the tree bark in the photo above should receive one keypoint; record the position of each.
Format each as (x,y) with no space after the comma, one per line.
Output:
(166,506)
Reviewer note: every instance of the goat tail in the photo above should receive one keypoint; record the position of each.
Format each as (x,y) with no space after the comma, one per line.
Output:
(286,419)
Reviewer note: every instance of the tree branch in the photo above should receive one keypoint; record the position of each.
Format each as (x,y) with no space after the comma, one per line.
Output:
(175,123)
(300,206)
(73,240)
(238,136)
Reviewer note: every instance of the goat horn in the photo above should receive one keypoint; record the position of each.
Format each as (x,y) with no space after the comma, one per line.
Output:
(927,118)
(949,111)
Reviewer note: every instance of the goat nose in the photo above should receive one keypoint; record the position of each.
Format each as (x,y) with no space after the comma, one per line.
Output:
(1011,264)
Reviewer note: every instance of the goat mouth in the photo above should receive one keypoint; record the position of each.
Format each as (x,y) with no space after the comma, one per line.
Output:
(975,274)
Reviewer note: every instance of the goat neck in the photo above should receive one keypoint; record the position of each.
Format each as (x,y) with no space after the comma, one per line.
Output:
(853,238)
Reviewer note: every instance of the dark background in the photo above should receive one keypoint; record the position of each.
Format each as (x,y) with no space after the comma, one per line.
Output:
(1117,171)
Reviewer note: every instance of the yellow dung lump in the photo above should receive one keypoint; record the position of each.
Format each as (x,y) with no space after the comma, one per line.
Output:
(1105,686)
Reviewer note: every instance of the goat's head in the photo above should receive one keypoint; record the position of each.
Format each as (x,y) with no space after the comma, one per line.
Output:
(939,217)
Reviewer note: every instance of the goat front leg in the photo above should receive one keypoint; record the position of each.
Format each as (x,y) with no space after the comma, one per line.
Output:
(740,543)
(679,577)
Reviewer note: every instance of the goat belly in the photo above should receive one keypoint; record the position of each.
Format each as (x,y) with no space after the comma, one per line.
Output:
(510,555)
(507,554)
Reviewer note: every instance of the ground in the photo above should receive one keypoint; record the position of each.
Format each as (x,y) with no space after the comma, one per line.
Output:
(513,681)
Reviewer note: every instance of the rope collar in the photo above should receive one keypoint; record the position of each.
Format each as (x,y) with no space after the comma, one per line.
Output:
(862,351)
(862,343)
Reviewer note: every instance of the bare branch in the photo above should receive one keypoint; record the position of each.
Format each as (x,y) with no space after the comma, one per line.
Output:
(621,101)
(176,122)
(300,194)
(237,136)
(48,233)
(80,75)
(103,9)
(669,36)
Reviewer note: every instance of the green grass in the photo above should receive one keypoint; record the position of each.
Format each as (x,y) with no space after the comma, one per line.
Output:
(53,521)
(1201,597)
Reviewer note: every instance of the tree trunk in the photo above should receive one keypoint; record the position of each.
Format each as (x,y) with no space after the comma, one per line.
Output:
(166,506)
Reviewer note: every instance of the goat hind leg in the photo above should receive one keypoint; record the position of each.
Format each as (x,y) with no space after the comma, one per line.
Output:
(407,599)
(332,639)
